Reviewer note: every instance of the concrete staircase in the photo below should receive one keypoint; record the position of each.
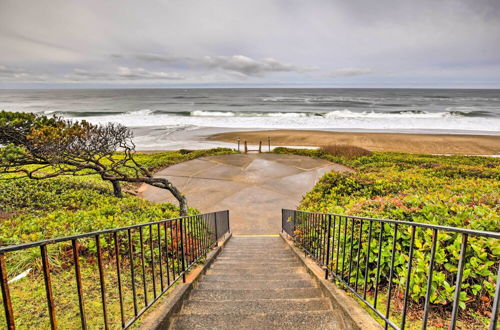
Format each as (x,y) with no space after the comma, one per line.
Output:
(256,283)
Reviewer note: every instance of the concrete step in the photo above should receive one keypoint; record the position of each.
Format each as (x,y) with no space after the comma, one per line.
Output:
(230,295)
(262,263)
(256,269)
(257,255)
(255,250)
(255,285)
(277,320)
(255,259)
(254,306)
(231,270)
(224,277)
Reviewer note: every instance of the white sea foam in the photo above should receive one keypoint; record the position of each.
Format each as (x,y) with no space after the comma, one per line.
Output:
(343,119)
(142,112)
(339,114)
(201,113)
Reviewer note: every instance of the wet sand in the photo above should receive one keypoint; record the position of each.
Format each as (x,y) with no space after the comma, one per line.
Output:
(400,142)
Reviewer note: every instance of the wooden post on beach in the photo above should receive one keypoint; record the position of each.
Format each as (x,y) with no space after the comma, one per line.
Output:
(269,143)
(246,147)
(260,147)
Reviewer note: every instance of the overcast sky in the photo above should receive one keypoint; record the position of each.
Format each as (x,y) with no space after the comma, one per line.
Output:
(330,43)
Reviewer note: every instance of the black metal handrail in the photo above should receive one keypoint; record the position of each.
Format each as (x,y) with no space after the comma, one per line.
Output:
(162,251)
(337,242)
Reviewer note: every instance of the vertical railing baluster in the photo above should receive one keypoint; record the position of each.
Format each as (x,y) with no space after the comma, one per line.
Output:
(333,243)
(496,303)
(344,247)
(187,243)
(191,232)
(194,226)
(408,277)
(183,263)
(160,256)
(323,239)
(79,287)
(377,276)
(200,236)
(143,267)
(309,235)
(153,266)
(317,230)
(203,232)
(322,245)
(194,239)
(328,245)
(458,284)
(306,233)
(7,301)
(48,287)
(367,262)
(175,254)
(350,252)
(102,281)
(167,264)
(132,270)
(391,274)
(429,280)
(118,275)
(338,247)
(359,251)
(216,231)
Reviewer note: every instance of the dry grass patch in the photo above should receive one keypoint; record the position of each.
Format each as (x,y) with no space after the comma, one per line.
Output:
(345,150)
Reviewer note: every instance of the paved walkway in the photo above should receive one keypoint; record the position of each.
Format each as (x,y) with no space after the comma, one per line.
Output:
(254,187)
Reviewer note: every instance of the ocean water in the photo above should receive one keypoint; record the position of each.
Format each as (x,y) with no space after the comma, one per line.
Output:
(173,118)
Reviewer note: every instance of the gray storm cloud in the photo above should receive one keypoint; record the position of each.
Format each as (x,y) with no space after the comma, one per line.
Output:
(319,42)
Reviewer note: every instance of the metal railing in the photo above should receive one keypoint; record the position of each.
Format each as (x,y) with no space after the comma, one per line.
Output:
(371,257)
(135,265)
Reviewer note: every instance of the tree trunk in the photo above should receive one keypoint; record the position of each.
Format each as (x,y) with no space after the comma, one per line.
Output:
(165,184)
(117,188)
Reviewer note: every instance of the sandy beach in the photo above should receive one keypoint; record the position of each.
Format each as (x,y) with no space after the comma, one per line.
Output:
(400,142)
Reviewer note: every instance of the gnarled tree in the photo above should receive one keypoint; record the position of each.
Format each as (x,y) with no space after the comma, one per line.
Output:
(40,147)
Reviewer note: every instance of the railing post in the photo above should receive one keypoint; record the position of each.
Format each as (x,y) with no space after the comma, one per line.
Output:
(294,222)
(216,232)
(7,302)
(496,303)
(182,252)
(458,284)
(260,147)
(283,221)
(238,144)
(269,143)
(48,286)
(328,245)
(79,286)
(246,147)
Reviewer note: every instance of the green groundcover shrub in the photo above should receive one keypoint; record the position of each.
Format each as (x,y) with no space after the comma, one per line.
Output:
(458,191)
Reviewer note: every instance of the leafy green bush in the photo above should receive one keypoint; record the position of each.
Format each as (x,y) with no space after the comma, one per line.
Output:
(32,210)
(458,191)
(62,206)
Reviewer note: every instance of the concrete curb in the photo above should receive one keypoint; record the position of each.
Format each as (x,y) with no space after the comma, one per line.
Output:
(354,316)
(160,316)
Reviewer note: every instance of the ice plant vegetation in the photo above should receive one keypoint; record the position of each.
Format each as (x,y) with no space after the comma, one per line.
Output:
(457,191)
